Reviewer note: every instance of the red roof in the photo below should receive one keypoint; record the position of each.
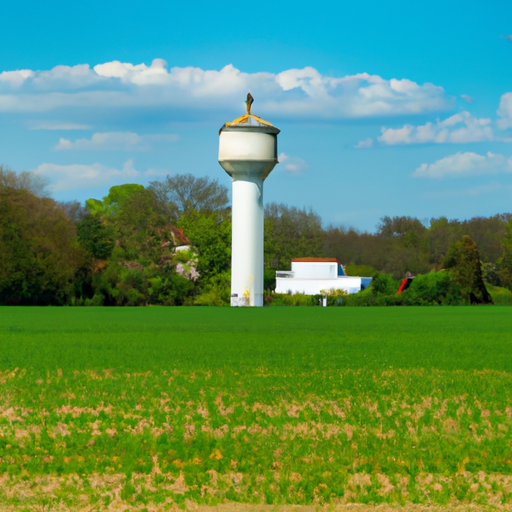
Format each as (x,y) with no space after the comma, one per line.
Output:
(316,260)
(178,236)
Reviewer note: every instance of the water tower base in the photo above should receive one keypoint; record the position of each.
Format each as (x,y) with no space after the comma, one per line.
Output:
(239,302)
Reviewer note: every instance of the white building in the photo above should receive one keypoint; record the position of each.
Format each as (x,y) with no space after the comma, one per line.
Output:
(312,276)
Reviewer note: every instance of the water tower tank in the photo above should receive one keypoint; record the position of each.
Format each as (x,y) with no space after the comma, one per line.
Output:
(248,153)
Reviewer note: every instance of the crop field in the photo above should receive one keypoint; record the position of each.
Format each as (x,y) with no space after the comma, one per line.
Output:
(167,408)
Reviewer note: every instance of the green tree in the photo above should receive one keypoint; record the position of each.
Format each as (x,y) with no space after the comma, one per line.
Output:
(291,233)
(27,181)
(210,235)
(505,261)
(113,202)
(465,267)
(406,245)
(130,228)
(183,194)
(96,236)
(39,252)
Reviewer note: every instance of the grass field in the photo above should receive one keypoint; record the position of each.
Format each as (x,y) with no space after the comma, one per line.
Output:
(172,407)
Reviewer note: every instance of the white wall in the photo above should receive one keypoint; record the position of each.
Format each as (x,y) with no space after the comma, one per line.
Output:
(314,286)
(315,270)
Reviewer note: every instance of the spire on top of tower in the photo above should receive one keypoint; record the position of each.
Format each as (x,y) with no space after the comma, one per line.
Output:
(248,103)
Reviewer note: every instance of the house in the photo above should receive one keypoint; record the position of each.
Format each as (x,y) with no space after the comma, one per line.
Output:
(313,276)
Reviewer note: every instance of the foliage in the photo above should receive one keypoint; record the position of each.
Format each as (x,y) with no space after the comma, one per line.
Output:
(384,284)
(290,233)
(269,279)
(133,261)
(210,235)
(403,244)
(463,262)
(26,181)
(96,237)
(285,299)
(184,194)
(360,270)
(124,253)
(335,297)
(491,274)
(500,296)
(216,291)
(434,288)
(114,201)
(505,261)
(39,253)
(135,408)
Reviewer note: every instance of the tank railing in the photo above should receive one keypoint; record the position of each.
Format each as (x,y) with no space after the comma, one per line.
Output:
(285,273)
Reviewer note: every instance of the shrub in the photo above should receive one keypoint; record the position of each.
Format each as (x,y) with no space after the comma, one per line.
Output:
(500,296)
(284,299)
(335,297)
(433,288)
(216,291)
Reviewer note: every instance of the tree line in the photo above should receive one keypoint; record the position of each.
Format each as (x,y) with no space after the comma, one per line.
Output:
(170,244)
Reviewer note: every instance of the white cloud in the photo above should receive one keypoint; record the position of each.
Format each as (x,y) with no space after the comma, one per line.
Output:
(363,144)
(56,125)
(139,74)
(465,164)
(115,141)
(16,78)
(293,93)
(294,166)
(467,98)
(457,129)
(505,111)
(77,176)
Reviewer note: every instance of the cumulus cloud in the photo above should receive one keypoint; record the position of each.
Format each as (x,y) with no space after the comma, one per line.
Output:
(77,176)
(457,129)
(363,144)
(505,111)
(465,164)
(115,141)
(294,93)
(292,165)
(467,98)
(16,78)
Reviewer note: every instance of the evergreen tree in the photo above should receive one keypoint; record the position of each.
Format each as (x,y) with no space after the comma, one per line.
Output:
(463,262)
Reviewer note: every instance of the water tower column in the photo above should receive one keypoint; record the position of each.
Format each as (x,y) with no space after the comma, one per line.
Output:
(247,241)
(248,153)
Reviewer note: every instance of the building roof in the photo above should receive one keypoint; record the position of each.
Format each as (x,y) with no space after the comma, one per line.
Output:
(249,122)
(178,236)
(316,260)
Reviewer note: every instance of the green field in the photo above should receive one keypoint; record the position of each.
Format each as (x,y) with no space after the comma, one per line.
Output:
(137,407)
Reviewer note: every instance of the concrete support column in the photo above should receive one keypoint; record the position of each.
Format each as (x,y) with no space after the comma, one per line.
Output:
(247,241)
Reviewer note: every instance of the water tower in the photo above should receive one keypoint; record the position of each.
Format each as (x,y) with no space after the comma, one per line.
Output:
(248,153)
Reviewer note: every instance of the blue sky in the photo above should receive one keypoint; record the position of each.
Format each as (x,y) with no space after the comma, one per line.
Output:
(401,108)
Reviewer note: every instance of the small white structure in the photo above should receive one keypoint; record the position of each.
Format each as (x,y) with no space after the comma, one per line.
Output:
(313,276)
(248,153)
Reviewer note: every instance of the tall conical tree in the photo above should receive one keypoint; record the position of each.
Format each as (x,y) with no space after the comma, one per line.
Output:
(463,262)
